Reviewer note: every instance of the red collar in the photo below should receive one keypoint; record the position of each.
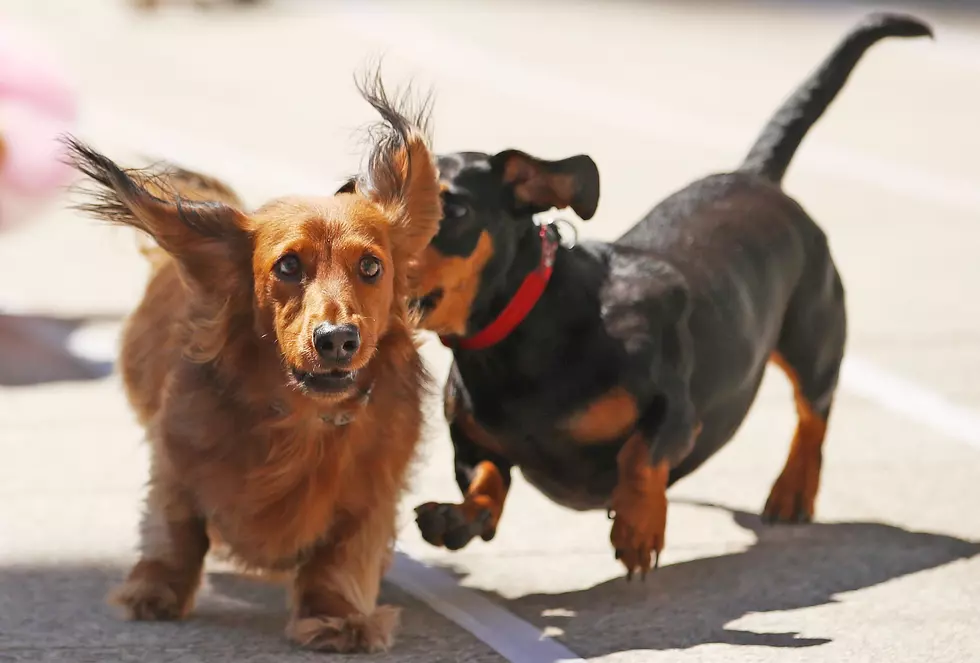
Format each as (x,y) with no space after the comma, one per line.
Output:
(517,309)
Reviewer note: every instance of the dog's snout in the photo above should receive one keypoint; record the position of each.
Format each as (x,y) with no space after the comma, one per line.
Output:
(336,342)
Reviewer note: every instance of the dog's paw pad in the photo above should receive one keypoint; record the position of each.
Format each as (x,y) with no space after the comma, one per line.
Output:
(355,633)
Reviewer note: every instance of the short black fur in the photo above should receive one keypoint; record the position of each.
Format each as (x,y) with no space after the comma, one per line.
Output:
(683,311)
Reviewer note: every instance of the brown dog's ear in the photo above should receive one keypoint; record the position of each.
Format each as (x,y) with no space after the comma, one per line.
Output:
(350,186)
(539,185)
(201,236)
(401,175)
(193,186)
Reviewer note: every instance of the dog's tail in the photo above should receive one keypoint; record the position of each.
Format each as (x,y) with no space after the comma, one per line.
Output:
(779,140)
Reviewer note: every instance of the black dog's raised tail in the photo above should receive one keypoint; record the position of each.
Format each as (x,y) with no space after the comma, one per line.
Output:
(774,148)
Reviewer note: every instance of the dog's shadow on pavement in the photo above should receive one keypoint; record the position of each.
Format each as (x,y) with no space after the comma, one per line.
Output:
(36,349)
(57,613)
(689,604)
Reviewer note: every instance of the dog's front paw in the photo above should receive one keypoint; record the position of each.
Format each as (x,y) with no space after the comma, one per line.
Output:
(146,600)
(453,525)
(355,633)
(639,527)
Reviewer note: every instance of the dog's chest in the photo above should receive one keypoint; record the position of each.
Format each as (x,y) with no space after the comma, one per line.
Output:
(282,500)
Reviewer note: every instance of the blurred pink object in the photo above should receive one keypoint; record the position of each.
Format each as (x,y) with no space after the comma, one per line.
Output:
(37,105)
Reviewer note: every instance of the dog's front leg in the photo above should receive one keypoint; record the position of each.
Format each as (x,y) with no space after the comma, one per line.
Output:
(484,478)
(173,543)
(336,591)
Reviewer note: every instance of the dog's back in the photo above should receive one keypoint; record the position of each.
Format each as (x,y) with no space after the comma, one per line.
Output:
(759,269)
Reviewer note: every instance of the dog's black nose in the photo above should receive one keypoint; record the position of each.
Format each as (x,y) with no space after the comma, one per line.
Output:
(336,342)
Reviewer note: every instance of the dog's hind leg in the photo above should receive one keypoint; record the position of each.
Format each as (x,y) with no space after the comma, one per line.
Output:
(664,435)
(810,351)
(638,507)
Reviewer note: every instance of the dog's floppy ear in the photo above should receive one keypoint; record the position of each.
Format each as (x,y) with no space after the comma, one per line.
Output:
(192,185)
(350,186)
(201,236)
(539,185)
(401,175)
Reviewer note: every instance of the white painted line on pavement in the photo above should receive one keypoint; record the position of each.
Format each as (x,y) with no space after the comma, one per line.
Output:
(907,399)
(512,637)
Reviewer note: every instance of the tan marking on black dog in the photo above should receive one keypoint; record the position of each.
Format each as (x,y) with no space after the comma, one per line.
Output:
(795,492)
(608,417)
(459,280)
(640,504)
(487,493)
(453,525)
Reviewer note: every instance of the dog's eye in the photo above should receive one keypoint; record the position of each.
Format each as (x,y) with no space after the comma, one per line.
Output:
(288,267)
(370,268)
(453,211)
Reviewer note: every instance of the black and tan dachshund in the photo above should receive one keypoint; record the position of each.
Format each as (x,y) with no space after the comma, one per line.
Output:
(608,371)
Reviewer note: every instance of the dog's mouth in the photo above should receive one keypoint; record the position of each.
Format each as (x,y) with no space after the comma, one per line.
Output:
(427,302)
(325,382)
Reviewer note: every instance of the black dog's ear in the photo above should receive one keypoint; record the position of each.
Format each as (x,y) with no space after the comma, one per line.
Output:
(541,185)
(350,186)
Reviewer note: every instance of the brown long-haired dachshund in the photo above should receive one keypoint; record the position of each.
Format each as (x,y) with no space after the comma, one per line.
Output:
(273,364)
